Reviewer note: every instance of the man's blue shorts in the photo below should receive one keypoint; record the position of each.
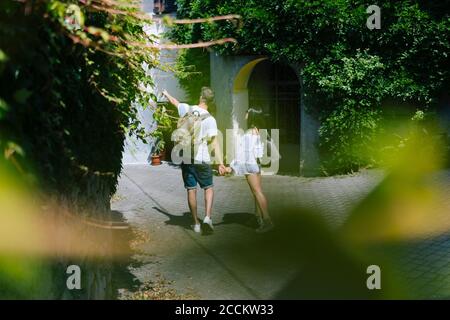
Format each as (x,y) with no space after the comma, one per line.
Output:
(197,173)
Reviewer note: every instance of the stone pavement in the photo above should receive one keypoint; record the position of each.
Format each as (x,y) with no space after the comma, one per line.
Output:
(153,200)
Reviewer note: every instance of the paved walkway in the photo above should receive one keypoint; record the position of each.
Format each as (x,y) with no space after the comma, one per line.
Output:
(153,200)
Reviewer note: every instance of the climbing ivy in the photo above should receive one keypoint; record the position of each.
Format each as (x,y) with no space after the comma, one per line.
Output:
(71,72)
(193,72)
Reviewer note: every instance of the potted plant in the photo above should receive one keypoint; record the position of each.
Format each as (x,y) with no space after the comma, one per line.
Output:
(156,154)
(165,124)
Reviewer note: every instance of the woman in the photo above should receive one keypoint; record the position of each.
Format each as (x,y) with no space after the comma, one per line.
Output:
(249,149)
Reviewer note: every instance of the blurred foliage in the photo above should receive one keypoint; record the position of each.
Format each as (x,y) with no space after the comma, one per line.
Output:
(348,70)
(327,258)
(40,237)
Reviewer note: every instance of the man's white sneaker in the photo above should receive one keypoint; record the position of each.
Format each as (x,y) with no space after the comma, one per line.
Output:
(207,225)
(197,228)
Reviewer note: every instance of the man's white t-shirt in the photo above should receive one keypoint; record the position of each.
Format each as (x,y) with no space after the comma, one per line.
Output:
(207,131)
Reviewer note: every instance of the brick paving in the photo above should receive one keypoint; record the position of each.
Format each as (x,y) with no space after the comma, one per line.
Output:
(152,199)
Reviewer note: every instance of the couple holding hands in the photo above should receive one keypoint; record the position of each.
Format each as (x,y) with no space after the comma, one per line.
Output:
(199,172)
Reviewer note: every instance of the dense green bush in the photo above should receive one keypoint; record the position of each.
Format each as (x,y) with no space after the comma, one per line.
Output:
(351,92)
(348,70)
(70,72)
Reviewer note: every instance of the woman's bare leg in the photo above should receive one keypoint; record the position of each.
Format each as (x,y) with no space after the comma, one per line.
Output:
(258,214)
(257,210)
(254,181)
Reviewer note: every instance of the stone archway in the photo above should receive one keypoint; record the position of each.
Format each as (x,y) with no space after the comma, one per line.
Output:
(240,93)
(275,88)
(230,76)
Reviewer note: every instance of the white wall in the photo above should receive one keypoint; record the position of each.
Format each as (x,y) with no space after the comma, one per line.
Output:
(136,152)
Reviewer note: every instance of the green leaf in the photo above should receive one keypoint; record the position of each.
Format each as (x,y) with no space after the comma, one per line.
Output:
(3,108)
(3,105)
(3,56)
(13,148)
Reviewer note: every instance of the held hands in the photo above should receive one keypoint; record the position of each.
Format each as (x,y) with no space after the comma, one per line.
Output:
(224,170)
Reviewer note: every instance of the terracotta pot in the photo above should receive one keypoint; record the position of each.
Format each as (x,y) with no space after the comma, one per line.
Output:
(156,160)
(163,155)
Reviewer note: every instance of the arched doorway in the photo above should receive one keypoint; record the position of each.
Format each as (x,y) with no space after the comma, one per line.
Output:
(230,79)
(275,88)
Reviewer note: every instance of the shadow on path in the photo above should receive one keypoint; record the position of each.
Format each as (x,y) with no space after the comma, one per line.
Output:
(122,277)
(242,218)
(184,221)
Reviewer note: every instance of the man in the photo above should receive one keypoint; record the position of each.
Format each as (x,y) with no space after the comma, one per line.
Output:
(199,171)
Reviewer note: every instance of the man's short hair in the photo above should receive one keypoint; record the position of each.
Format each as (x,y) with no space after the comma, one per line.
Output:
(207,95)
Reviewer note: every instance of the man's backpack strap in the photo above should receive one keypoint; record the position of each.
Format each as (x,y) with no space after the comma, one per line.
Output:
(189,112)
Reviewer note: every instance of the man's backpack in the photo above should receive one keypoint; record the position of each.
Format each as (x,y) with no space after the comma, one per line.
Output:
(188,129)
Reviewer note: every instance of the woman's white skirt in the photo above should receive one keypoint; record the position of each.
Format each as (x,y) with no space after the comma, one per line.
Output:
(242,169)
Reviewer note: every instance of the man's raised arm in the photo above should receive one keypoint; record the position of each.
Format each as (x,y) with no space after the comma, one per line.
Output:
(171,99)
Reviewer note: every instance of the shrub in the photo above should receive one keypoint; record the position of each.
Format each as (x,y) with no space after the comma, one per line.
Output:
(70,72)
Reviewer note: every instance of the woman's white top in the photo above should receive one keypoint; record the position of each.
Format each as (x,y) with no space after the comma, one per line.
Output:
(248,149)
